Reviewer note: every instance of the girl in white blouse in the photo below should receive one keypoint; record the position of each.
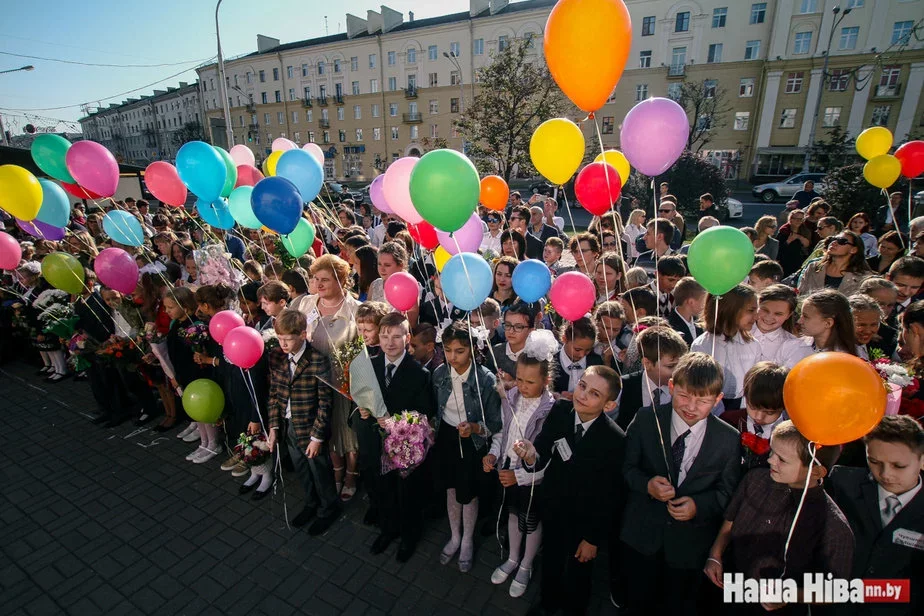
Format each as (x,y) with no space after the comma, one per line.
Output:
(773,329)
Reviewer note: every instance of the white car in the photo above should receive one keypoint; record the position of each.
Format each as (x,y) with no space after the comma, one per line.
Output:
(734,207)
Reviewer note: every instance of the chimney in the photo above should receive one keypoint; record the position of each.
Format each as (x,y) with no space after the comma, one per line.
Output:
(477,7)
(410,16)
(374,21)
(355,25)
(391,19)
(498,5)
(265,43)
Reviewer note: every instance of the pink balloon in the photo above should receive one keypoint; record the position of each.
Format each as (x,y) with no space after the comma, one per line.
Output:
(224,322)
(402,291)
(315,150)
(94,167)
(377,194)
(243,347)
(10,252)
(247,175)
(572,295)
(281,144)
(242,155)
(164,182)
(117,270)
(466,239)
(654,135)
(397,189)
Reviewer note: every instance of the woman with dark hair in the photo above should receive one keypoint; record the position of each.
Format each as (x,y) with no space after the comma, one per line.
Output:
(892,246)
(502,289)
(842,267)
(366,267)
(347,218)
(860,224)
(513,244)
(795,239)
(297,281)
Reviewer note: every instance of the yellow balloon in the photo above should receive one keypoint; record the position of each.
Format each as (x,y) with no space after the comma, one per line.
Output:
(20,192)
(874,142)
(268,230)
(882,171)
(269,165)
(557,149)
(440,256)
(618,161)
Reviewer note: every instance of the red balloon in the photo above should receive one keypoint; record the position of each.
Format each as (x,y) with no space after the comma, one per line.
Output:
(164,182)
(247,175)
(424,234)
(911,156)
(597,187)
(79,191)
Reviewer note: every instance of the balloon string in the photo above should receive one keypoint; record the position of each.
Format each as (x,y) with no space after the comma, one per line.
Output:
(715,325)
(808,477)
(891,210)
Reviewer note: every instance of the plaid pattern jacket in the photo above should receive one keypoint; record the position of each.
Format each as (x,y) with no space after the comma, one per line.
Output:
(309,397)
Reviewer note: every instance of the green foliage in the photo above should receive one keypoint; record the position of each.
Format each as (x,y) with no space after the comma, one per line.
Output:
(848,192)
(690,177)
(191,131)
(834,152)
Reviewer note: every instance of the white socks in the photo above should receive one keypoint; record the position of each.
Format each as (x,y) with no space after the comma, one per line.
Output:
(208,436)
(57,360)
(533,542)
(455,522)
(469,517)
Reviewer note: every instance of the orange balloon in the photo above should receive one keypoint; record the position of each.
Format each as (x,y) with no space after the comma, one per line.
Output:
(494,193)
(586,46)
(834,398)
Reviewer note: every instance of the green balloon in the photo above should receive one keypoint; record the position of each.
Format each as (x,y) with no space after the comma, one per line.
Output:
(720,258)
(300,240)
(231,176)
(203,401)
(445,189)
(48,152)
(64,272)
(241,208)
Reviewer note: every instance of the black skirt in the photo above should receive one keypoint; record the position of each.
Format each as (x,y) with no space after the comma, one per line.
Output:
(460,472)
(524,502)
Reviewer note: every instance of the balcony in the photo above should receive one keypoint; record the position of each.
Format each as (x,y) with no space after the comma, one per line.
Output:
(251,108)
(338,99)
(308,103)
(888,91)
(322,101)
(415,117)
(253,126)
(676,70)
(410,92)
(322,123)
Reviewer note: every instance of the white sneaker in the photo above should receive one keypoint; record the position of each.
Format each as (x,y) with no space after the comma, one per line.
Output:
(193,427)
(205,455)
(518,588)
(192,455)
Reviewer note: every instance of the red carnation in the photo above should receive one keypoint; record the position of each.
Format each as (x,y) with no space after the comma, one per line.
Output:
(758,445)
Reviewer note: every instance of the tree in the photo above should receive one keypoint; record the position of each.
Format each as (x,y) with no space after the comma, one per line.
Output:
(707,106)
(191,131)
(689,177)
(434,143)
(836,151)
(848,192)
(516,94)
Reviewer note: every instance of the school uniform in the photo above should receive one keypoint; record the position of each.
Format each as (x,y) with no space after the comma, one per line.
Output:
(736,356)
(688,330)
(781,347)
(637,393)
(438,312)
(503,359)
(568,373)
(753,456)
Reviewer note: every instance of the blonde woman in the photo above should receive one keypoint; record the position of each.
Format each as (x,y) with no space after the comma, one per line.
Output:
(634,228)
(764,243)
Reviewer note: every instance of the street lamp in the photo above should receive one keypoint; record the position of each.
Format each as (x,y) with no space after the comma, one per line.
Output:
(28,67)
(454,58)
(838,18)
(222,85)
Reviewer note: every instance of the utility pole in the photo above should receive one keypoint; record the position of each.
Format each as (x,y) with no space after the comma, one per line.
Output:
(11,70)
(223,87)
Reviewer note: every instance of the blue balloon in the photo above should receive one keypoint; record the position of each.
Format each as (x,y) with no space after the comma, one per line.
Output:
(123,228)
(202,170)
(56,207)
(466,280)
(277,204)
(303,170)
(531,280)
(216,213)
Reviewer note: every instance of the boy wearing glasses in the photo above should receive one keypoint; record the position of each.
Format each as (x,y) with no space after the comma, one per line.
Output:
(519,320)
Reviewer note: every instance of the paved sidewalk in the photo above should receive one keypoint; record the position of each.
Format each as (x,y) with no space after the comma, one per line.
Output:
(115,521)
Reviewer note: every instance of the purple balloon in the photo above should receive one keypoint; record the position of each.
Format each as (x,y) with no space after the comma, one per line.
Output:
(377,194)
(41,230)
(654,135)
(466,239)
(117,269)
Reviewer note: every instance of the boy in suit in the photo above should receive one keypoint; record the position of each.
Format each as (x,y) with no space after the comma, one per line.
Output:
(885,508)
(574,357)
(669,272)
(661,349)
(765,410)
(405,386)
(682,466)
(689,302)
(299,407)
(579,449)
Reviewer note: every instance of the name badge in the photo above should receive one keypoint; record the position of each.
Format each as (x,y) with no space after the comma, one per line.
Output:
(313,316)
(564,449)
(908,538)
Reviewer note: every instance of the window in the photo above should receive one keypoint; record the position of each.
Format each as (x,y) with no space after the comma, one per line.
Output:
(853,4)
(336,66)
(758,12)
(433,79)
(304,71)
(393,109)
(682,22)
(280,118)
(794,82)
(478,45)
(849,38)
(808,6)
(324,115)
(341,134)
(308,116)
(412,107)
(752,50)
(414,131)
(901,32)
(357,112)
(454,78)
(832,117)
(266,119)
(278,95)
(502,42)
(704,122)
(674,91)
(262,76)
(454,49)
(394,132)
(453,105)
(326,136)
(359,134)
(718,17)
(530,38)
(372,60)
(354,63)
(709,88)
(839,78)
(742,119)
(644,59)
(340,113)
(294,117)
(263,98)
(432,52)
(802,43)
(321,68)
(648,26)
(434,132)
(746,87)
(376,134)
(291,94)
(275,74)
(375,110)
(355,87)
(250,76)
(411,55)
(678,59)
(881,115)
(307,92)
(641,92)
(889,77)
(373,86)
(392,58)
(608,124)
(290,72)
(788,118)
(715,53)
(434,106)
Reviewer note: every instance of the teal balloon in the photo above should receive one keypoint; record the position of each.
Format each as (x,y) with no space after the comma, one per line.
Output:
(300,240)
(466,280)
(202,169)
(216,214)
(56,207)
(303,170)
(48,152)
(231,168)
(720,258)
(123,228)
(203,401)
(445,189)
(241,209)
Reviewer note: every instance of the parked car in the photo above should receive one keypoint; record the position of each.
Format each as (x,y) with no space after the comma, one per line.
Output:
(733,208)
(788,187)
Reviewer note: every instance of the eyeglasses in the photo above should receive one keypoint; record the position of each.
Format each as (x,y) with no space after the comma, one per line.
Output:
(842,241)
(665,211)
(492,220)
(518,327)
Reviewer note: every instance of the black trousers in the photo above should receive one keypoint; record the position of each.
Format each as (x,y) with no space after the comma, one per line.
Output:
(655,588)
(566,582)
(369,439)
(402,500)
(315,474)
(106,387)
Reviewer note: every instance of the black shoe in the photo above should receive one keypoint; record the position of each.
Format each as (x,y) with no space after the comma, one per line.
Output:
(115,421)
(45,370)
(372,517)
(405,551)
(320,526)
(304,517)
(244,489)
(56,377)
(258,495)
(381,543)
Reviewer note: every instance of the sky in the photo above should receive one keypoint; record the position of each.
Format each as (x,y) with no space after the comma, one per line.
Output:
(177,34)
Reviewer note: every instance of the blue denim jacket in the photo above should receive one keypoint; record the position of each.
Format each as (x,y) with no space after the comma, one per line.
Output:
(490,400)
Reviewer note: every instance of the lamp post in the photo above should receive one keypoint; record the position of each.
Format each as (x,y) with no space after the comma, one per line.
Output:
(28,67)
(454,58)
(223,87)
(838,18)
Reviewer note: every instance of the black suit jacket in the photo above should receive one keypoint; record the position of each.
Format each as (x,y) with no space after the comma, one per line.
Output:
(678,325)
(94,317)
(631,399)
(716,471)
(563,377)
(410,388)
(534,246)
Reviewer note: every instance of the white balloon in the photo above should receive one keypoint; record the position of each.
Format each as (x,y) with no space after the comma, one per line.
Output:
(242,155)
(316,151)
(281,144)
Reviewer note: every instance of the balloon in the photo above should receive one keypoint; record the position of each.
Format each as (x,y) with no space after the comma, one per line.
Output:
(242,156)
(586,47)
(123,228)
(397,189)
(494,193)
(597,188)
(444,189)
(467,280)
(49,152)
(20,192)
(315,150)
(241,209)
(277,204)
(377,194)
(248,175)
(63,271)
(300,240)
(230,172)
(424,234)
(402,291)
(300,168)
(556,149)
(882,171)
(440,258)
(466,239)
(911,156)
(874,141)
(572,295)
(720,258)
(94,167)
(269,165)
(531,280)
(165,184)
(10,252)
(222,323)
(38,229)
(617,160)
(654,135)
(79,191)
(281,144)
(216,214)
(202,169)
(56,207)
(243,347)
(117,269)
(834,398)
(203,401)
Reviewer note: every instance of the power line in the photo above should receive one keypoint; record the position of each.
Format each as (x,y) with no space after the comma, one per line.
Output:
(19,55)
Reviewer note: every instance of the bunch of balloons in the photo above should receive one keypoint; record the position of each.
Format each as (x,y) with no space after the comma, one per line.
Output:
(243,346)
(881,169)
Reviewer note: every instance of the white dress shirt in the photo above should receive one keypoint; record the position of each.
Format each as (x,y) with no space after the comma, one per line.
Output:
(648,390)
(122,328)
(294,358)
(395,363)
(491,242)
(454,411)
(766,430)
(736,356)
(575,373)
(693,443)
(781,347)
(511,355)
(904,499)
(586,424)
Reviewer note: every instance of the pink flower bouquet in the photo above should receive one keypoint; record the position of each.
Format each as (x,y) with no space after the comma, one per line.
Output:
(408,437)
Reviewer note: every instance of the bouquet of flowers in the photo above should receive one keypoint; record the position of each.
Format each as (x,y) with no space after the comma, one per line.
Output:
(899,381)
(117,351)
(56,315)
(408,437)
(151,334)
(270,339)
(214,265)
(252,449)
(195,335)
(80,346)
(283,255)
(342,357)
